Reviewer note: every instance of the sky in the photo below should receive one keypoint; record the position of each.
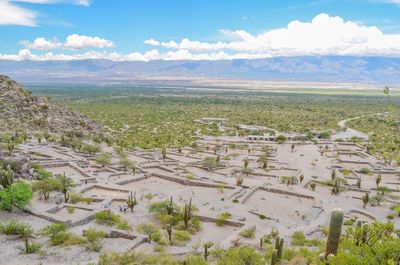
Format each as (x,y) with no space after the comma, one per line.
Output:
(196,29)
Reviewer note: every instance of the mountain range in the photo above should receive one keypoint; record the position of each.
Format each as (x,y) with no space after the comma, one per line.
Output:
(330,69)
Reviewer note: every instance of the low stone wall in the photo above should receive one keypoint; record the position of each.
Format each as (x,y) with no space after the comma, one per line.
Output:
(212,220)
(127,181)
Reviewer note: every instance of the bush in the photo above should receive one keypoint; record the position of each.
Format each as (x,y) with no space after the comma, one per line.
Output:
(93,234)
(12,227)
(111,219)
(240,256)
(249,232)
(67,239)
(151,231)
(53,229)
(222,218)
(17,195)
(180,236)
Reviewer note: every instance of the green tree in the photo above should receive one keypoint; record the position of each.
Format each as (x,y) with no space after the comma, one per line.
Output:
(64,185)
(103,159)
(46,186)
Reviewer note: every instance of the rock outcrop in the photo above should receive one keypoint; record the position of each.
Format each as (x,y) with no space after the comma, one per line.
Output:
(21,111)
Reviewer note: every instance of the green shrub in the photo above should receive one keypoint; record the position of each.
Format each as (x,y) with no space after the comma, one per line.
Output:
(12,227)
(180,236)
(93,234)
(249,232)
(222,218)
(111,219)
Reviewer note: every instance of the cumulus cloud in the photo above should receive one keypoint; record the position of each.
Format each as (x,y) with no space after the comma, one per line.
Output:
(42,44)
(324,35)
(76,41)
(72,42)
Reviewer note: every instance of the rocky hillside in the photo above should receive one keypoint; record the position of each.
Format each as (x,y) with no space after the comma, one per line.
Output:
(20,110)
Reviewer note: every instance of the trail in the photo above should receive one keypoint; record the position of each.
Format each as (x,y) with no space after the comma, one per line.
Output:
(350,132)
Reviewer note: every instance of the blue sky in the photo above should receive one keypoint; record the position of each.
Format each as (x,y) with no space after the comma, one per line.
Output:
(196,29)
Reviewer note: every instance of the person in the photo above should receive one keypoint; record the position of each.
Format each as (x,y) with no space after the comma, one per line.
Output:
(120,208)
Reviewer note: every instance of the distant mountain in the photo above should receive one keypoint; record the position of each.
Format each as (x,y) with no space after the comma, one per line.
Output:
(349,69)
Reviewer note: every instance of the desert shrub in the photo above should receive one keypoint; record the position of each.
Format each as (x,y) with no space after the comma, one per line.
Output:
(299,239)
(12,227)
(67,239)
(222,218)
(151,231)
(111,219)
(53,229)
(240,256)
(180,236)
(249,232)
(93,234)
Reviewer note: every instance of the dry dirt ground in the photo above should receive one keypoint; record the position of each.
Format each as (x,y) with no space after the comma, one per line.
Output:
(287,208)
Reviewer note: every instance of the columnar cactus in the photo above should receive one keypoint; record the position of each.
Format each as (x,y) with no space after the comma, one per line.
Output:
(6,177)
(169,231)
(206,251)
(132,202)
(365,199)
(187,213)
(280,250)
(335,230)
(170,207)
(274,257)
(378,180)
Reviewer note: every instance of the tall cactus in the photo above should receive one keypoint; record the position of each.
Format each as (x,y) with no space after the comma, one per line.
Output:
(206,251)
(132,202)
(169,231)
(187,213)
(335,230)
(6,177)
(274,257)
(280,250)
(170,207)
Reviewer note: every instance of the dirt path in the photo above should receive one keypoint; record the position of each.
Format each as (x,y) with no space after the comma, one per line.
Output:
(350,132)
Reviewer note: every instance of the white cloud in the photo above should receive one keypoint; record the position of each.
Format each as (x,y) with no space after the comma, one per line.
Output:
(42,44)
(324,35)
(14,15)
(76,41)
(76,2)
(73,42)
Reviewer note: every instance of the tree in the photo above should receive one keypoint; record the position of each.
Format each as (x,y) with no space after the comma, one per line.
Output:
(103,159)
(64,185)
(90,149)
(126,163)
(17,195)
(46,186)
(210,163)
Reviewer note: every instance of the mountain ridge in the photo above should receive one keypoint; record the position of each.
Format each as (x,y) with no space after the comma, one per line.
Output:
(338,69)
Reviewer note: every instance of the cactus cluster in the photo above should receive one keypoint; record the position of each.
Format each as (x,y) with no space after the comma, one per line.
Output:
(132,202)
(335,230)
(278,250)
(6,177)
